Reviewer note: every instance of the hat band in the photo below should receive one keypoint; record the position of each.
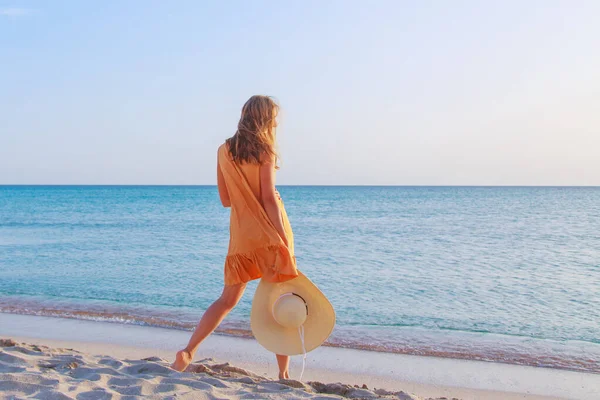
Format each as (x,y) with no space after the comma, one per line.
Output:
(285,295)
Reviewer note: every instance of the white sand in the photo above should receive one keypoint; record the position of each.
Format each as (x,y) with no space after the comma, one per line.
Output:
(119,349)
(43,372)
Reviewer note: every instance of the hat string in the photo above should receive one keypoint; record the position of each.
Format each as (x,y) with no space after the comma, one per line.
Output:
(301,332)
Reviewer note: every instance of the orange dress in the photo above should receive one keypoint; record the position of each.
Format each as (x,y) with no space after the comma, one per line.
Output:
(255,248)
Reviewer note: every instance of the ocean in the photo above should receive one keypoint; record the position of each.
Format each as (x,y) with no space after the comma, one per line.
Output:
(505,274)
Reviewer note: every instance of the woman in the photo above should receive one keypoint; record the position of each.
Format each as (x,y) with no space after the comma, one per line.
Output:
(261,241)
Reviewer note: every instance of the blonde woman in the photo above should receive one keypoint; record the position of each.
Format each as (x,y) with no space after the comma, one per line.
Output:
(261,241)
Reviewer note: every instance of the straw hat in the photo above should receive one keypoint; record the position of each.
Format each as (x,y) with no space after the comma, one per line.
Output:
(292,317)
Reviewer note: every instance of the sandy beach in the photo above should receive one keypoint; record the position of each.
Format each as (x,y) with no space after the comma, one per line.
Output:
(45,357)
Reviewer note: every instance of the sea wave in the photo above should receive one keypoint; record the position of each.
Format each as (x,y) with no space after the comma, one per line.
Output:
(569,355)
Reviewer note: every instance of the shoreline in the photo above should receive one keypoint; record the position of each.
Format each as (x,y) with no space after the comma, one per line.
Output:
(424,376)
(572,355)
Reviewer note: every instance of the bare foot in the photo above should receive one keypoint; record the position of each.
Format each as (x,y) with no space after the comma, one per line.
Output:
(284,375)
(182,360)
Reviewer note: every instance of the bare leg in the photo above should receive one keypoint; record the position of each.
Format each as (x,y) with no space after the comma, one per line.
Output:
(284,366)
(208,323)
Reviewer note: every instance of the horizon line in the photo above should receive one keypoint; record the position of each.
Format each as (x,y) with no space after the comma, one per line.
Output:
(290,185)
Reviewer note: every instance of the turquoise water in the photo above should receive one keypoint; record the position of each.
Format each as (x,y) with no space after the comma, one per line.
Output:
(503,274)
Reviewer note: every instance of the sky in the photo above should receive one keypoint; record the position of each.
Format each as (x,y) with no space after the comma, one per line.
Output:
(372,93)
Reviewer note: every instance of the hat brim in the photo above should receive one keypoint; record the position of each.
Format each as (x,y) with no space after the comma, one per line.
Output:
(286,341)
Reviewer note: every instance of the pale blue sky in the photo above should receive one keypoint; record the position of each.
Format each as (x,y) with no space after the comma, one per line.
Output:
(381,92)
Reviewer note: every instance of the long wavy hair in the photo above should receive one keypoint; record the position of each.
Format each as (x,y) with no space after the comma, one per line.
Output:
(255,141)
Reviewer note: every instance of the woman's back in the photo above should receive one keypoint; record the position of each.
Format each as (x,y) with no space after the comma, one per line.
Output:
(249,170)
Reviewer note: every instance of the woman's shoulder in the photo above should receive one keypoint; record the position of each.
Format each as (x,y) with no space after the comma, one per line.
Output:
(223,147)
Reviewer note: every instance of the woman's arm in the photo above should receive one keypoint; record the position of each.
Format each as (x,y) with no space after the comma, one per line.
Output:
(268,196)
(223,193)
